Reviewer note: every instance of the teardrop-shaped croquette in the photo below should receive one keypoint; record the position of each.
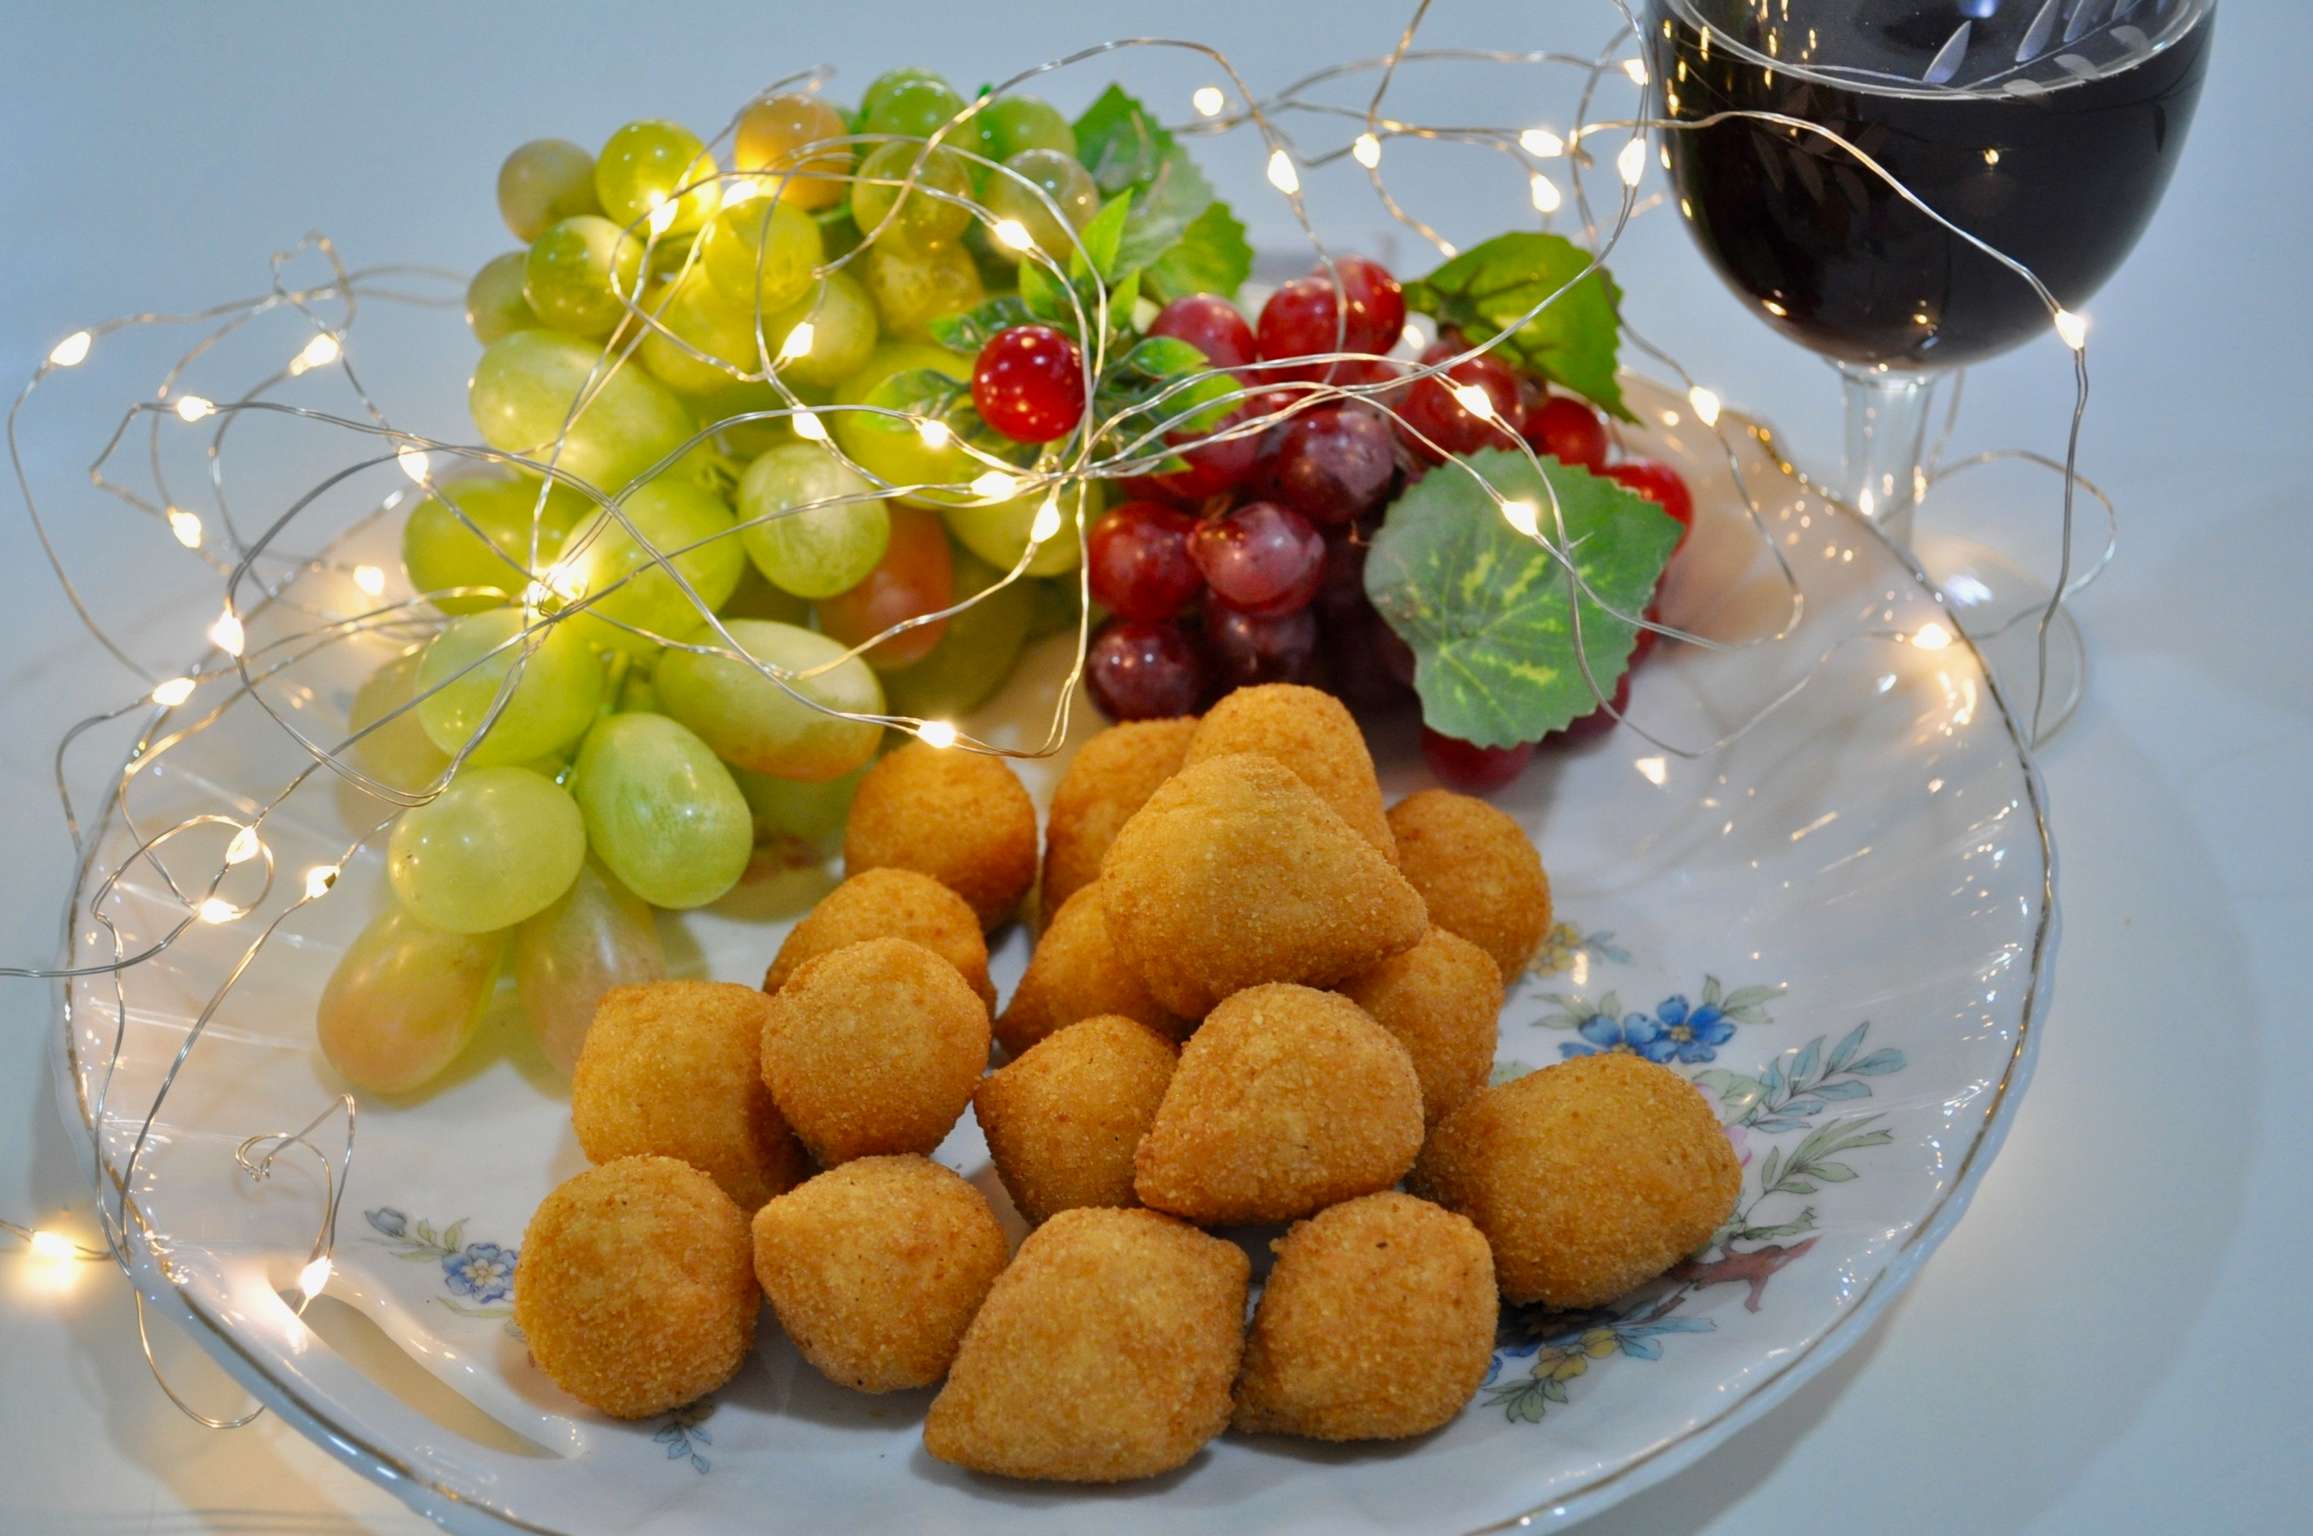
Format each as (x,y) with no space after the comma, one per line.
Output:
(1376,1322)
(874,1048)
(670,1068)
(890,904)
(1477,871)
(638,1289)
(1063,1120)
(1235,873)
(1104,1353)
(1075,973)
(1286,1100)
(1309,731)
(1588,1178)
(875,1269)
(1443,1000)
(1110,777)
(960,817)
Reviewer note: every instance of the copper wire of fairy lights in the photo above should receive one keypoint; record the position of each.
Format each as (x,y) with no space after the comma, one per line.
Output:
(260,572)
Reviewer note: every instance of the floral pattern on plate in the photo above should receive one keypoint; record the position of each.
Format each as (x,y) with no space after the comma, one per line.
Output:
(481,1273)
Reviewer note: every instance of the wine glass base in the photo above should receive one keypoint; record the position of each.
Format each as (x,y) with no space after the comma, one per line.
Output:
(2000,604)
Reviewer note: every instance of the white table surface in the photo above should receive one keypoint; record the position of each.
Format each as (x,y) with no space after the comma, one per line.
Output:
(2116,1339)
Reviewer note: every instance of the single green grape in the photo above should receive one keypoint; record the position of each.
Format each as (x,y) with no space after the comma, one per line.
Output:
(1055,175)
(976,654)
(759,254)
(495,305)
(843,333)
(689,309)
(495,847)
(403,1001)
(1010,124)
(999,533)
(580,275)
(596,936)
(891,80)
(686,523)
(811,812)
(909,109)
(890,449)
(644,164)
(443,555)
(915,285)
(521,396)
(661,812)
(750,721)
(398,753)
(543,181)
(550,706)
(820,550)
(922,220)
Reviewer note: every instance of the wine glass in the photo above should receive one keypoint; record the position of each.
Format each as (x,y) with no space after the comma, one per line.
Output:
(2048,129)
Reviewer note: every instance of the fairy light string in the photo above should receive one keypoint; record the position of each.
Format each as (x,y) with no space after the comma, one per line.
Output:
(277,609)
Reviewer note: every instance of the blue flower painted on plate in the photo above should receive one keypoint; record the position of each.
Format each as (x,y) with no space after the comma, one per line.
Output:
(389,1221)
(685,1431)
(1637,1034)
(483,1271)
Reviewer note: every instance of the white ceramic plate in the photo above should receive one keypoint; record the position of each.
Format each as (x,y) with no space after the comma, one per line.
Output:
(1841,925)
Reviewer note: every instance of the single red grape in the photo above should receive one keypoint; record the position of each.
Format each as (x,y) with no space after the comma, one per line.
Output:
(1140,671)
(1215,464)
(1333,463)
(1029,383)
(915,576)
(1567,430)
(1212,325)
(1370,666)
(1598,722)
(1660,484)
(1343,591)
(1247,650)
(1433,409)
(1260,558)
(1473,770)
(1376,303)
(1302,317)
(1139,563)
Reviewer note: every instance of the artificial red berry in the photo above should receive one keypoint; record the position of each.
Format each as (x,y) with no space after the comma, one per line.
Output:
(1433,407)
(1660,484)
(1260,558)
(1567,430)
(1029,383)
(1472,769)
(1137,560)
(1212,325)
(1140,671)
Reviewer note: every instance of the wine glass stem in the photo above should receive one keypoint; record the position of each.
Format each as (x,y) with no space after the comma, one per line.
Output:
(1887,413)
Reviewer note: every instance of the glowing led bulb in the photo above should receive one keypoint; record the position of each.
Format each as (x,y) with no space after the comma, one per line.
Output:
(1546,195)
(937,733)
(1282,176)
(935,434)
(1366,151)
(1706,404)
(71,353)
(1412,336)
(1013,233)
(1474,399)
(996,486)
(369,578)
(2073,328)
(173,692)
(195,407)
(798,342)
(1541,143)
(1636,69)
(186,526)
(808,426)
(414,463)
(245,846)
(1208,100)
(320,352)
(45,1244)
(216,910)
(1631,163)
(662,216)
(1523,516)
(314,1276)
(1047,523)
(741,189)
(1932,637)
(318,880)
(226,634)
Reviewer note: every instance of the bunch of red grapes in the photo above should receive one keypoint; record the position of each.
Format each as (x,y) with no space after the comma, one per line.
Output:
(1247,565)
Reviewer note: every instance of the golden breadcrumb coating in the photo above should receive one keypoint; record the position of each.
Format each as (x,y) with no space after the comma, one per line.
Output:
(1376,1323)
(1235,873)
(1063,1120)
(1104,1353)
(960,817)
(1309,731)
(670,1068)
(1075,973)
(1108,779)
(890,904)
(874,1048)
(1443,1000)
(637,1293)
(1588,1178)
(875,1269)
(1286,1100)
(1478,872)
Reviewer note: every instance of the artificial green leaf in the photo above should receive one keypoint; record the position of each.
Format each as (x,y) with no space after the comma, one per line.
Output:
(1211,256)
(1489,612)
(1041,294)
(1487,290)
(1096,244)
(971,330)
(1169,231)
(1121,142)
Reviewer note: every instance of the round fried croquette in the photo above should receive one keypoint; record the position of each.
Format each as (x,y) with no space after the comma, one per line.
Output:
(1286,1100)
(1063,1120)
(1376,1323)
(638,1289)
(960,817)
(1309,731)
(1443,1000)
(1235,873)
(1105,1352)
(873,1048)
(890,904)
(1588,1178)
(670,1068)
(1075,973)
(1478,871)
(1110,777)
(875,1269)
